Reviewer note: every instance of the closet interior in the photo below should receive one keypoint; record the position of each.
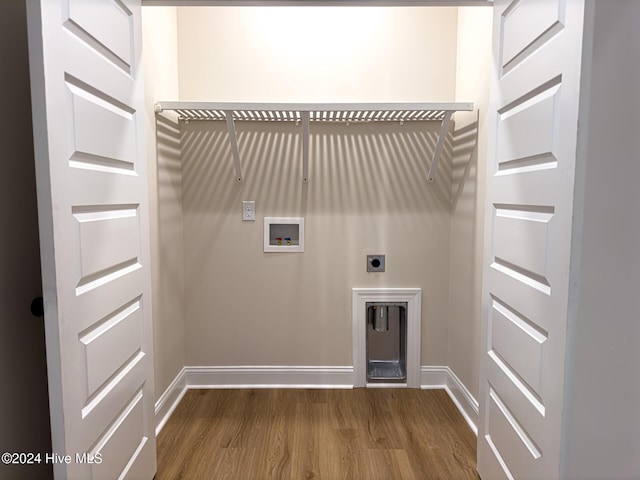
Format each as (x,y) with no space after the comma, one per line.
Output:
(369,123)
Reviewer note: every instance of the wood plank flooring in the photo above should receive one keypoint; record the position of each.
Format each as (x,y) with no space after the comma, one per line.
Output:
(293,434)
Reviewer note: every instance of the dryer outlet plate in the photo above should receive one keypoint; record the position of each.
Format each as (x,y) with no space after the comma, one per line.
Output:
(375,263)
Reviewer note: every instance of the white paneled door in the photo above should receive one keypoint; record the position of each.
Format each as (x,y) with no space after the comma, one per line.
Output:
(537,49)
(85,58)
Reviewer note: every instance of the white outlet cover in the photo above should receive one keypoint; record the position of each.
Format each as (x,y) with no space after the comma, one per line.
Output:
(248,211)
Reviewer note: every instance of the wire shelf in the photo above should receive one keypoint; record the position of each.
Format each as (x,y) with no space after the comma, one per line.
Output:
(307,113)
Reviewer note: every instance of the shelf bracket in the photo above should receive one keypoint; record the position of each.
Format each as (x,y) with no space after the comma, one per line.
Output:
(305,145)
(444,128)
(233,142)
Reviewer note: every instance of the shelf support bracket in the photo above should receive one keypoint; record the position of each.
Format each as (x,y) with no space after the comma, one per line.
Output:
(444,128)
(305,145)
(233,142)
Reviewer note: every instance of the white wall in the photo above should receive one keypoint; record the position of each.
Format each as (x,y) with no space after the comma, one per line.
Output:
(468,194)
(602,419)
(165,192)
(24,402)
(316,54)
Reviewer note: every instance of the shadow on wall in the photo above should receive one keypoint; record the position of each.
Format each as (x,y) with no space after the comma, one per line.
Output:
(466,250)
(353,169)
(367,193)
(169,267)
(169,181)
(464,159)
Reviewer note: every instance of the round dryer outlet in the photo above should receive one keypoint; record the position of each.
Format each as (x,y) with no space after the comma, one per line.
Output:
(375,263)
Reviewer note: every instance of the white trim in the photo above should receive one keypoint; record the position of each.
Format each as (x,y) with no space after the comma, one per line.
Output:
(435,377)
(431,107)
(268,221)
(463,399)
(269,377)
(318,3)
(360,297)
(169,400)
(201,377)
(386,385)
(432,377)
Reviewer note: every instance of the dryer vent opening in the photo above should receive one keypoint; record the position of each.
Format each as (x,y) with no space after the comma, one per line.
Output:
(386,342)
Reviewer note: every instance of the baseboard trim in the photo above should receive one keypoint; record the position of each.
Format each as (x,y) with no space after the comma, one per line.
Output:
(463,399)
(203,377)
(170,399)
(269,377)
(432,377)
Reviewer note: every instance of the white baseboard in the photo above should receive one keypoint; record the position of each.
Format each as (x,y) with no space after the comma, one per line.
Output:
(197,377)
(269,377)
(463,399)
(443,377)
(170,399)
(433,377)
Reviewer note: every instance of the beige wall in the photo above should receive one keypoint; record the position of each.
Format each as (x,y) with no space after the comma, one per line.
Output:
(165,192)
(316,54)
(368,191)
(468,194)
(367,194)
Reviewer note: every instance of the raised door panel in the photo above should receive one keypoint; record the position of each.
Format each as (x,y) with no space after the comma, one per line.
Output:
(92,194)
(530,178)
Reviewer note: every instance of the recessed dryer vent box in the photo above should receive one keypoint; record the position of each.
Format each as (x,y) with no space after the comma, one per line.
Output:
(284,234)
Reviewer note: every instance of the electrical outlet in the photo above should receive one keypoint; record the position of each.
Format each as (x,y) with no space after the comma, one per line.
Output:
(248,211)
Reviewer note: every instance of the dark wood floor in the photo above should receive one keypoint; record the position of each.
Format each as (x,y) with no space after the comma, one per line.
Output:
(311,434)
